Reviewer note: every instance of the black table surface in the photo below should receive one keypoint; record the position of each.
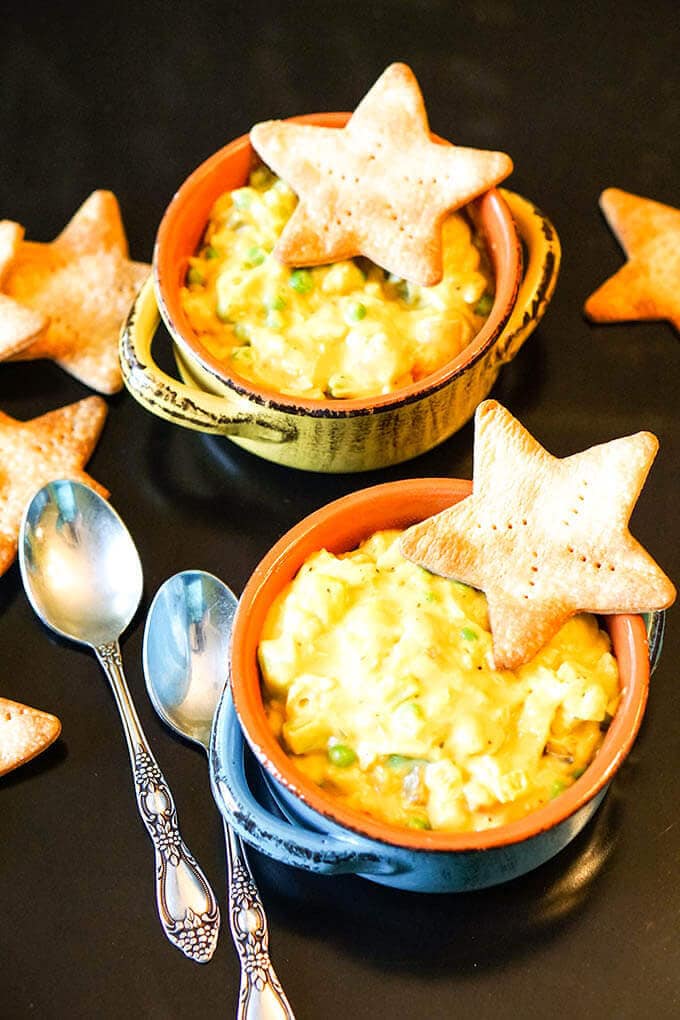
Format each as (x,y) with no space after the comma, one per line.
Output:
(132,98)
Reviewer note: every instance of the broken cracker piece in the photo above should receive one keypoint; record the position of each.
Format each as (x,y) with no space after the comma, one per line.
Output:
(84,284)
(33,453)
(544,538)
(24,733)
(11,236)
(648,285)
(378,187)
(19,326)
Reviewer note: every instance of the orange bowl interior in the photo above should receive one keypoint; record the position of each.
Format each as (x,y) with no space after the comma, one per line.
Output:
(340,526)
(183,226)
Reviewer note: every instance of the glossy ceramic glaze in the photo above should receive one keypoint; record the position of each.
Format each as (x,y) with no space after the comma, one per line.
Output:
(329,435)
(322,834)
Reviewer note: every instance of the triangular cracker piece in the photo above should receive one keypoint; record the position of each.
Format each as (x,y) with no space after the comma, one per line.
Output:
(544,538)
(24,733)
(378,187)
(84,283)
(648,285)
(32,453)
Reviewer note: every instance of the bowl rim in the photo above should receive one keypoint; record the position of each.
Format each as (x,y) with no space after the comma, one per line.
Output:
(504,248)
(356,515)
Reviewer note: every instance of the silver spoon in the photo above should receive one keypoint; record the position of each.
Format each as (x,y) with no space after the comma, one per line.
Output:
(186,664)
(83,577)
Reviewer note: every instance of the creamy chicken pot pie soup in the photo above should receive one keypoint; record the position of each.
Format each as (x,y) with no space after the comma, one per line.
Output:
(343,330)
(379,683)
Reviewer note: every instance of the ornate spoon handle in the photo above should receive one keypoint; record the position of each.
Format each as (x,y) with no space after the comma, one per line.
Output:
(186,904)
(261,996)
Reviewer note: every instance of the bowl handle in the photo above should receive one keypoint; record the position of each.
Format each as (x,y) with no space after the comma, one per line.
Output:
(273,835)
(543,252)
(655,625)
(173,400)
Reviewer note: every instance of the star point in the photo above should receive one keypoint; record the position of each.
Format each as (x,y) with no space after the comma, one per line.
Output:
(24,733)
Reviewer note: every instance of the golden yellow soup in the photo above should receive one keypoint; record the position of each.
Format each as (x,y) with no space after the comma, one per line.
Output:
(342,330)
(379,682)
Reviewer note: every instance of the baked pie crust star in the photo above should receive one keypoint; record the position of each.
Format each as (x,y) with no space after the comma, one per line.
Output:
(32,453)
(78,289)
(379,187)
(544,538)
(648,285)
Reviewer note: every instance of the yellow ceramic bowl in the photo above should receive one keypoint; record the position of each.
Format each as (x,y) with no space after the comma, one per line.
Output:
(329,435)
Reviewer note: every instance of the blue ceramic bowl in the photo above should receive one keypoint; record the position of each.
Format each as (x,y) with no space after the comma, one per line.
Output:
(300,825)
(299,836)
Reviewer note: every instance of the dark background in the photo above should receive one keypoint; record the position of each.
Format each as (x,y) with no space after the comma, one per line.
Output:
(132,97)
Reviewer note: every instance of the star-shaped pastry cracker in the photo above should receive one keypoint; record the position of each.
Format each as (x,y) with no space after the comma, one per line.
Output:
(648,285)
(32,453)
(83,284)
(378,187)
(24,733)
(544,538)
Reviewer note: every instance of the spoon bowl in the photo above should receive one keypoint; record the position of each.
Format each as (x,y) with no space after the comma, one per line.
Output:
(81,570)
(186,651)
(186,656)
